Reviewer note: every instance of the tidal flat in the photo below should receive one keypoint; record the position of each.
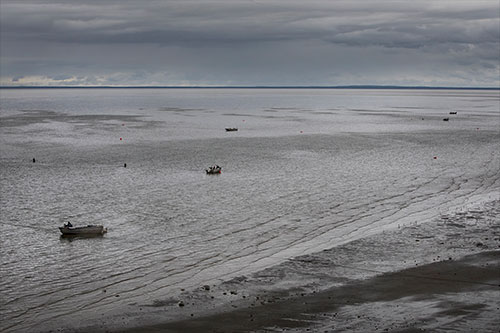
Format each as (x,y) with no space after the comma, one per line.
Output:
(327,199)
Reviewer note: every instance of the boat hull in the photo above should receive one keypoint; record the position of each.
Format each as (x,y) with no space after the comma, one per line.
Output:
(87,230)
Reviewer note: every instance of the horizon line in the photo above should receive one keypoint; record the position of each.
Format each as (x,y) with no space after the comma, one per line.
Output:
(257,87)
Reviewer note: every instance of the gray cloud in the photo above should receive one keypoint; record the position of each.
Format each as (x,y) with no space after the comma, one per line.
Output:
(251,42)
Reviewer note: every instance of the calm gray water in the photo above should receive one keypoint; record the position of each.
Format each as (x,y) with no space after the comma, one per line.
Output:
(307,170)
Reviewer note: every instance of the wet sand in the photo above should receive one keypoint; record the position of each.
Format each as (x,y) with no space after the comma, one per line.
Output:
(415,299)
(439,276)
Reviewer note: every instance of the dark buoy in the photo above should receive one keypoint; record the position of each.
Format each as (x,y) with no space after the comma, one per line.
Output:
(34,160)
(125,165)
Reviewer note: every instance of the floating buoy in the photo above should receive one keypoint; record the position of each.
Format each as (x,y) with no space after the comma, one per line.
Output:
(34,160)
(435,157)
(125,165)
(123,124)
(120,139)
(301,131)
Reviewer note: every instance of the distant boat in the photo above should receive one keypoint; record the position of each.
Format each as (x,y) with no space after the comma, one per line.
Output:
(231,129)
(213,170)
(68,229)
(453,112)
(446,119)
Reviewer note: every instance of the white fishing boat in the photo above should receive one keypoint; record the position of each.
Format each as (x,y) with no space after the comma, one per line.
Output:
(68,229)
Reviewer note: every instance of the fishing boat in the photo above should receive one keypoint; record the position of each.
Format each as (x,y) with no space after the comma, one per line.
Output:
(231,129)
(213,170)
(68,229)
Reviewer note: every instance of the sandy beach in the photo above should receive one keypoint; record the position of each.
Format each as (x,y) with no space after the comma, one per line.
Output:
(439,276)
(460,295)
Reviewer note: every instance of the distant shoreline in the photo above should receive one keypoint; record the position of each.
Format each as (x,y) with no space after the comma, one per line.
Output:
(257,87)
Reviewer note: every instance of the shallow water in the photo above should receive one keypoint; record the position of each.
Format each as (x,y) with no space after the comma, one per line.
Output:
(307,170)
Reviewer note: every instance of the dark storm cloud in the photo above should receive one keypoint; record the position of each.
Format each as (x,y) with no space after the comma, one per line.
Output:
(389,24)
(228,34)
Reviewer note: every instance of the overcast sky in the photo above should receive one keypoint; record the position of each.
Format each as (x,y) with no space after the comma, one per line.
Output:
(236,42)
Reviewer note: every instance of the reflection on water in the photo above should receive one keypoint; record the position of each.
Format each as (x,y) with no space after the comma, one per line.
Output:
(70,238)
(295,180)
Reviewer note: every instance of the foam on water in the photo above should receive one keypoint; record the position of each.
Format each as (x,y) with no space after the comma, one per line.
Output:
(307,170)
